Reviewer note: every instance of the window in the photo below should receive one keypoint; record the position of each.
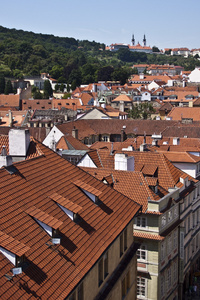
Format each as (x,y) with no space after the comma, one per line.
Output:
(103,268)
(141,222)
(141,286)
(162,251)
(100,271)
(105,138)
(141,253)
(189,223)
(169,279)
(123,242)
(125,284)
(163,221)
(175,211)
(169,216)
(162,286)
(73,296)
(169,245)
(80,292)
(175,239)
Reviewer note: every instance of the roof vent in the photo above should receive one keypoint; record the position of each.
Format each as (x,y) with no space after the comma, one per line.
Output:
(17,271)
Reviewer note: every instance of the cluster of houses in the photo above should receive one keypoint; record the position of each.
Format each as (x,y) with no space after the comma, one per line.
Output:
(95,205)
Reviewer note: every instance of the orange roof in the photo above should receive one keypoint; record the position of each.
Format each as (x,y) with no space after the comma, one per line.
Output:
(10,100)
(122,97)
(148,236)
(36,104)
(53,272)
(178,113)
(17,116)
(12,245)
(68,142)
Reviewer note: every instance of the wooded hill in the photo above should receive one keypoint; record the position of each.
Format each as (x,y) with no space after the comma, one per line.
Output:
(69,60)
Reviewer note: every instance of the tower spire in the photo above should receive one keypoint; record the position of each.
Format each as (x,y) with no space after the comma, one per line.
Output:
(144,41)
(133,40)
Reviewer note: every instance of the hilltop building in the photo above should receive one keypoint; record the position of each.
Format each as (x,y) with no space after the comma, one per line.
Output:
(132,47)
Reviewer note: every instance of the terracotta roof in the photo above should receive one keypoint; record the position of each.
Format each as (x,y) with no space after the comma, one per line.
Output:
(148,236)
(90,127)
(182,157)
(122,97)
(17,116)
(43,217)
(10,100)
(54,274)
(12,245)
(87,188)
(68,142)
(36,104)
(65,202)
(178,113)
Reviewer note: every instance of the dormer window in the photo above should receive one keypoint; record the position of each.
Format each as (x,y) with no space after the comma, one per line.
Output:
(47,222)
(90,191)
(12,249)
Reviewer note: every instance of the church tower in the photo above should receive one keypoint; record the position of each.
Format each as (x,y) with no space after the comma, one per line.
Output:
(133,40)
(144,41)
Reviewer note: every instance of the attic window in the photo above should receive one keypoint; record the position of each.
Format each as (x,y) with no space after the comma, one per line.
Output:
(47,222)
(38,102)
(12,249)
(29,107)
(49,102)
(70,208)
(90,191)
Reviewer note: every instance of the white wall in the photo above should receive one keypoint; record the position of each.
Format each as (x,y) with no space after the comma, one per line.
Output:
(86,162)
(55,134)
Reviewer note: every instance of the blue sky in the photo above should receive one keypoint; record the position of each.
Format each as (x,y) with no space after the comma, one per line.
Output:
(166,24)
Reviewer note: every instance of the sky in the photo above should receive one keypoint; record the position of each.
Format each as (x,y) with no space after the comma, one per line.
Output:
(166,24)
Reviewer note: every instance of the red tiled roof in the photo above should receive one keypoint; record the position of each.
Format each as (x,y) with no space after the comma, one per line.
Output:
(43,217)
(10,100)
(54,274)
(12,245)
(148,236)
(65,202)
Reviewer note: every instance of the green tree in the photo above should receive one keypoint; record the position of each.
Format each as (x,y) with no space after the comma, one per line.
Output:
(48,92)
(155,49)
(2,83)
(8,88)
(36,94)
(141,110)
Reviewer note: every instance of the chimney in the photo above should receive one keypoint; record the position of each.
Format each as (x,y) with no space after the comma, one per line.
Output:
(19,141)
(10,119)
(141,75)
(124,162)
(5,160)
(143,147)
(176,141)
(155,142)
(123,135)
(75,133)
(103,105)
(121,106)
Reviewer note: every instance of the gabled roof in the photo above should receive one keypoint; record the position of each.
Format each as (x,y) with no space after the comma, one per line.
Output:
(178,113)
(135,127)
(68,142)
(10,100)
(122,97)
(51,274)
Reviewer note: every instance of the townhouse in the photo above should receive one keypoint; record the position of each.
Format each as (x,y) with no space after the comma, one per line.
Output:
(63,233)
(162,189)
